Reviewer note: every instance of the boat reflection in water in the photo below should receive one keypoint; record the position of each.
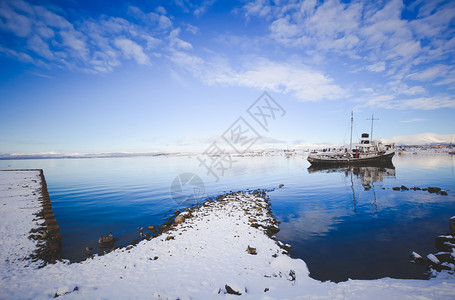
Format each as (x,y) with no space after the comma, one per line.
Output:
(366,176)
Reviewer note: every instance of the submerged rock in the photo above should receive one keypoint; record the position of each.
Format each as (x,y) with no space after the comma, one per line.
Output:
(444,193)
(106,241)
(396,188)
(452,225)
(434,189)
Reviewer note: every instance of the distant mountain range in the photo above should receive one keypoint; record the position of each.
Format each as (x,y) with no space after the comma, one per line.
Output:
(100,155)
(427,139)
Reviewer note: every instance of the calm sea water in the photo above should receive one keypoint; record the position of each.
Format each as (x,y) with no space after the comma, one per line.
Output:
(345,223)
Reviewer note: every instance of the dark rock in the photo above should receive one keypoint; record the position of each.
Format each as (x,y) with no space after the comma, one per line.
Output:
(272,229)
(416,258)
(434,189)
(444,257)
(433,260)
(416,188)
(452,225)
(229,290)
(169,237)
(168,221)
(179,219)
(151,227)
(106,241)
(292,275)
(177,212)
(444,193)
(251,250)
(442,240)
(403,188)
(396,188)
(281,185)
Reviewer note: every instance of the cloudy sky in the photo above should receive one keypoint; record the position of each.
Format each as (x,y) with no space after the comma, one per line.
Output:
(111,76)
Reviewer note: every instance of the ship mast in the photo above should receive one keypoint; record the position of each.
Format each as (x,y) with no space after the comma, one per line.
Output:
(350,142)
(372,119)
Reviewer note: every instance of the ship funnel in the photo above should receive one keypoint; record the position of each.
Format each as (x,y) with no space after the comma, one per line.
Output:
(365,138)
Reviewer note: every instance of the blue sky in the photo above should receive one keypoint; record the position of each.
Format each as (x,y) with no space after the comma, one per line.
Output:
(108,76)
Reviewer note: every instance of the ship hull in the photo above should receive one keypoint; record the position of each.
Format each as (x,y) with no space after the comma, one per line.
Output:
(380,160)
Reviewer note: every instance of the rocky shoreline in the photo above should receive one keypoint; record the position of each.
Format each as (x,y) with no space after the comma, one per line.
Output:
(45,232)
(445,258)
(50,248)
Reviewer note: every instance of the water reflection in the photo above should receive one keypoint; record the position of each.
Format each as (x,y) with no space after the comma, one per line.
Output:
(366,176)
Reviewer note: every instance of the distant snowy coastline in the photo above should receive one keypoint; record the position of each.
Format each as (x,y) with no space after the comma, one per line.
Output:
(429,148)
(222,249)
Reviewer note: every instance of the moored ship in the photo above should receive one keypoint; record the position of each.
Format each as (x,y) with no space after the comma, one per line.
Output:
(366,152)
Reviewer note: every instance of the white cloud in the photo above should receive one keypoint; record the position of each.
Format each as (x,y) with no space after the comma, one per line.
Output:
(377,67)
(36,44)
(304,83)
(430,73)
(19,55)
(419,139)
(161,10)
(14,22)
(413,120)
(400,88)
(261,73)
(197,8)
(192,29)
(256,8)
(132,50)
(418,103)
(200,10)
(89,45)
(75,41)
(176,42)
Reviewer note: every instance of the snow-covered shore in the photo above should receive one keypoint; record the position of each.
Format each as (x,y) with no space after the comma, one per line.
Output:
(206,256)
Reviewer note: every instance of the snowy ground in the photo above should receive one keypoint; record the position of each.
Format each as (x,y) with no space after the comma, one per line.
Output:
(19,192)
(202,258)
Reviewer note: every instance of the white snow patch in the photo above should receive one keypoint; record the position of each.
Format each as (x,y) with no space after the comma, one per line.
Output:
(19,202)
